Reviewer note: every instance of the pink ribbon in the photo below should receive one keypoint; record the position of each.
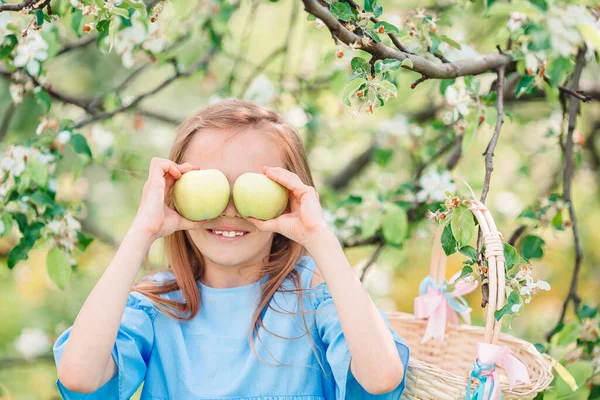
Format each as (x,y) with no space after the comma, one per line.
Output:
(439,306)
(488,356)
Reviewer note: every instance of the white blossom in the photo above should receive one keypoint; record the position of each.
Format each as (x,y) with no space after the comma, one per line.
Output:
(102,138)
(296,116)
(261,90)
(16,92)
(434,186)
(128,38)
(30,52)
(397,126)
(63,137)
(458,99)
(32,342)
(5,19)
(515,20)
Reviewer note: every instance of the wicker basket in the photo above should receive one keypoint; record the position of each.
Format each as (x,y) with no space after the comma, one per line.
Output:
(441,369)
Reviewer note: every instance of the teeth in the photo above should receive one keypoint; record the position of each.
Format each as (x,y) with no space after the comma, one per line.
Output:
(229,233)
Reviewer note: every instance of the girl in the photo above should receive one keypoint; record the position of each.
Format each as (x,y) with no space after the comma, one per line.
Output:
(209,326)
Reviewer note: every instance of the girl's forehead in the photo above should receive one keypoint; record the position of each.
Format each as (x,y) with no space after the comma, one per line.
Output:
(234,153)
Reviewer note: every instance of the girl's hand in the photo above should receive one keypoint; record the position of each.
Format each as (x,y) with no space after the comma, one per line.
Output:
(154,217)
(306,218)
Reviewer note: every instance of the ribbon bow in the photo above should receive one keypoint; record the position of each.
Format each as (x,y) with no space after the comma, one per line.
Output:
(437,304)
(484,369)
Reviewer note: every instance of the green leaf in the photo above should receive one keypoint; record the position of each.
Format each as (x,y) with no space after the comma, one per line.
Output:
(531,247)
(121,12)
(377,10)
(513,298)
(351,88)
(444,83)
(76,18)
(407,62)
(462,225)
(80,145)
(528,213)
(451,41)
(383,156)
(558,70)
(491,116)
(58,267)
(43,98)
(39,16)
(372,34)
(38,172)
(467,270)
(435,43)
(395,224)
(448,241)
(581,370)
(369,5)
(342,10)
(540,3)
(83,241)
(30,234)
(80,162)
(504,9)
(388,64)
(361,66)
(471,130)
(386,26)
(511,257)
(6,224)
(470,252)
(371,223)
(112,27)
(525,84)
(42,199)
(385,86)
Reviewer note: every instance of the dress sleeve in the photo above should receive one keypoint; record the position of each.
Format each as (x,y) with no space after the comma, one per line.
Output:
(131,352)
(337,352)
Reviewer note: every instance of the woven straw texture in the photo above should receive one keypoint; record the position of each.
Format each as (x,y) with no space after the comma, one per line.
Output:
(440,369)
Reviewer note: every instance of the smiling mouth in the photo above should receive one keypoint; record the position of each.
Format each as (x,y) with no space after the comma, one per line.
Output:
(227,236)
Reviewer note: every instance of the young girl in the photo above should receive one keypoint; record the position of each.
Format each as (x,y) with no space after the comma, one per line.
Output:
(276,313)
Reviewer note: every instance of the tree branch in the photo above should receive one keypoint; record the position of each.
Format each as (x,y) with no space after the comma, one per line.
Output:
(16,7)
(574,107)
(178,74)
(371,261)
(471,66)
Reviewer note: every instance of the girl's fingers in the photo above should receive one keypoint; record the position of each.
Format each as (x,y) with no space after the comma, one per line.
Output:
(289,180)
(160,167)
(184,224)
(186,167)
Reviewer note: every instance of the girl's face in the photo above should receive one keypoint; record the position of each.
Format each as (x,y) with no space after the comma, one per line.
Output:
(232,154)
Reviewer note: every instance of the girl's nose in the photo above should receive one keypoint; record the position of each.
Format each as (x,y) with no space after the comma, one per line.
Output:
(230,210)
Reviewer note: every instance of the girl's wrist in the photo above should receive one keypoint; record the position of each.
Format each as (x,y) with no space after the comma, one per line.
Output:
(141,233)
(321,239)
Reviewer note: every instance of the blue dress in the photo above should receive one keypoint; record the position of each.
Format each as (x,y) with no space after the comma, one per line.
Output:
(209,357)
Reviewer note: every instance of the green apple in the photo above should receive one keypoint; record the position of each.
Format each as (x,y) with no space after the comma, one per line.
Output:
(201,194)
(256,195)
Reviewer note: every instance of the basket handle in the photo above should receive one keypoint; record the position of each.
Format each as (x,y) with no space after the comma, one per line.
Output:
(437,266)
(496,266)
(494,252)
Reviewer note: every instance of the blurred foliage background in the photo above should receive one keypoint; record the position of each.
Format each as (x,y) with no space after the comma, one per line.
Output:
(67,91)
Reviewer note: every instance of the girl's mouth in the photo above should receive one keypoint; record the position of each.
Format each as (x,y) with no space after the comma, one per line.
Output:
(227,236)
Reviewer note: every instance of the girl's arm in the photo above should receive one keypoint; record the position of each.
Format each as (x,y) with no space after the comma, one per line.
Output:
(375,361)
(87,363)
